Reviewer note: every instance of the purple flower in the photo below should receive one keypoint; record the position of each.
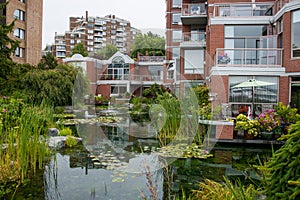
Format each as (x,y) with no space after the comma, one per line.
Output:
(4,110)
(4,97)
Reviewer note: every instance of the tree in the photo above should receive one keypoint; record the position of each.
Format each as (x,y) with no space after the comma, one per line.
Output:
(48,62)
(7,48)
(79,49)
(153,43)
(105,53)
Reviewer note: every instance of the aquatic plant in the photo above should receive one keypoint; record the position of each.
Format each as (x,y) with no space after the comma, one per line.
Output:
(209,189)
(71,141)
(65,132)
(22,147)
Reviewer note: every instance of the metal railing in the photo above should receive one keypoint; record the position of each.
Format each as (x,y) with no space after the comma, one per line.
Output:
(194,9)
(270,57)
(151,78)
(243,9)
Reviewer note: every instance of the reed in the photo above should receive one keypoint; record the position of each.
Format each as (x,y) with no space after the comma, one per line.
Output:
(23,150)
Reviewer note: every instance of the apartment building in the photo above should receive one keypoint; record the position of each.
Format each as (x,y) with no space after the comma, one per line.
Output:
(223,43)
(28,16)
(95,33)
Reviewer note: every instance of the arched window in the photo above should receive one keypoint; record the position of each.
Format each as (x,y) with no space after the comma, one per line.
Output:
(118,69)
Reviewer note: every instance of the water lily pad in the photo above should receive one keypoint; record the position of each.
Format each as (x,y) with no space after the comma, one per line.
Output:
(118,180)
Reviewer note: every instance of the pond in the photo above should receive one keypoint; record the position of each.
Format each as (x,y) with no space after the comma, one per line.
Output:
(110,164)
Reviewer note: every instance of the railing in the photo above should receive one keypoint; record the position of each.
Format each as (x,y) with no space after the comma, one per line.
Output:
(194,37)
(194,9)
(113,76)
(243,9)
(146,78)
(271,57)
(151,58)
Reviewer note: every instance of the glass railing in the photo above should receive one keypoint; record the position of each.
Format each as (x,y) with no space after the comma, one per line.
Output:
(243,9)
(193,37)
(151,78)
(271,57)
(194,9)
(151,58)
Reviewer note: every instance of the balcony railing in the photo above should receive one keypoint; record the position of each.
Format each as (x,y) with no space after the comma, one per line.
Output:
(243,9)
(244,57)
(151,58)
(133,77)
(193,38)
(194,9)
(150,78)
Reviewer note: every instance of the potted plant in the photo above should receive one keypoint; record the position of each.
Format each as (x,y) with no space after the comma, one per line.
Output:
(269,121)
(287,116)
(250,127)
(98,99)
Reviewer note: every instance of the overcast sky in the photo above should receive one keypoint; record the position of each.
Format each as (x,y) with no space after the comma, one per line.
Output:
(142,14)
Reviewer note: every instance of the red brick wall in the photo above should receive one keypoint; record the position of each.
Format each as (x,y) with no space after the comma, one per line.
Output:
(284,90)
(291,65)
(224,132)
(104,90)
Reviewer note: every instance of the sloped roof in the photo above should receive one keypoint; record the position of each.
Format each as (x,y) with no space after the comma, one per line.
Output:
(126,58)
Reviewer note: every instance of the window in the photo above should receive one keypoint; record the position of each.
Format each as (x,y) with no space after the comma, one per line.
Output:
(19,14)
(90,31)
(193,61)
(72,41)
(118,89)
(176,18)
(23,1)
(296,34)
(90,37)
(176,35)
(245,37)
(118,70)
(176,3)
(71,35)
(175,52)
(19,52)
(19,33)
(265,96)
(90,43)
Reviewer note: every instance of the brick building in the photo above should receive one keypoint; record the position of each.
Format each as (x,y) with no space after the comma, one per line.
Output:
(95,33)
(222,43)
(28,28)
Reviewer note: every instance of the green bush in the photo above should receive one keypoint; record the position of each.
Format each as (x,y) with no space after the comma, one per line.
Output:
(71,141)
(65,132)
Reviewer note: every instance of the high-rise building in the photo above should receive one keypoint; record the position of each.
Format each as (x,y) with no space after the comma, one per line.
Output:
(28,16)
(222,43)
(95,33)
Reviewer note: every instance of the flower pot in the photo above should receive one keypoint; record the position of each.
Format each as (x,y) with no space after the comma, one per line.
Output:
(248,136)
(267,135)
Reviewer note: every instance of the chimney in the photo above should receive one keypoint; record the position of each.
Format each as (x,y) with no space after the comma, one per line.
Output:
(113,16)
(86,15)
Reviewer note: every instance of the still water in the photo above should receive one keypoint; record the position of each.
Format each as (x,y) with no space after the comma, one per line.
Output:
(109,164)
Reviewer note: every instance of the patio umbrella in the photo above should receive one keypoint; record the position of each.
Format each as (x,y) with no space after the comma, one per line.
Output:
(252,83)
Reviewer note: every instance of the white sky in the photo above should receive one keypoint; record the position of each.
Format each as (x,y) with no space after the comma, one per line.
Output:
(142,14)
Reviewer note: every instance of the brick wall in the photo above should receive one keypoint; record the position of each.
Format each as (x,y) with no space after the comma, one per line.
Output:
(224,132)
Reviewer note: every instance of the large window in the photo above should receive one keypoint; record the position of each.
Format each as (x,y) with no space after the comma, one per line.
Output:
(296,34)
(241,42)
(264,96)
(118,70)
(19,14)
(193,61)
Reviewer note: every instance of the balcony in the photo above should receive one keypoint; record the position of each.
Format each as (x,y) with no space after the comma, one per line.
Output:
(151,58)
(193,39)
(244,57)
(194,14)
(243,9)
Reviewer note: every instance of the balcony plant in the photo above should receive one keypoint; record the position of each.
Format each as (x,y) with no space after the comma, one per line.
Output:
(251,127)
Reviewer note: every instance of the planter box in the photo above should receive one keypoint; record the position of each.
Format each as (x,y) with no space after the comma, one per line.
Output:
(224,132)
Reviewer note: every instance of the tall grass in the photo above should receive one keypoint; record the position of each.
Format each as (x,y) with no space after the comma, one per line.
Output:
(23,150)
